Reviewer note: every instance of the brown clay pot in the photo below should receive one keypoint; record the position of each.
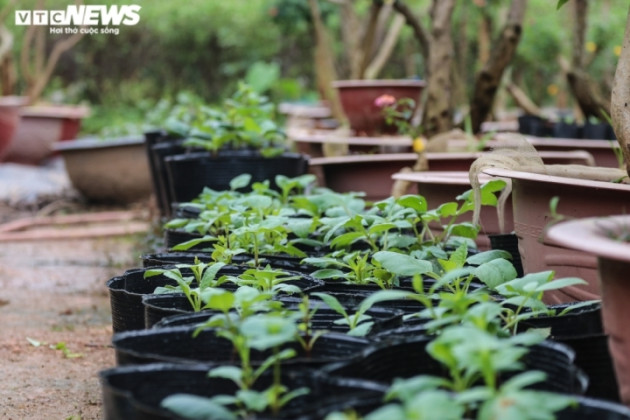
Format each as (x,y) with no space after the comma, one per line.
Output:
(597,237)
(40,127)
(602,151)
(112,170)
(9,120)
(371,174)
(357,100)
(531,195)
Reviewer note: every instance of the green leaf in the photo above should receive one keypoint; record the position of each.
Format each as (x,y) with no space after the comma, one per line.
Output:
(401,264)
(447,209)
(382,296)
(220,300)
(560,283)
(380,227)
(465,230)
(346,239)
(561,3)
(233,373)
(332,302)
(523,380)
(274,358)
(266,331)
(196,407)
(416,202)
(298,392)
(184,246)
(486,256)
(210,274)
(361,330)
(253,400)
(495,272)
(389,412)
(329,273)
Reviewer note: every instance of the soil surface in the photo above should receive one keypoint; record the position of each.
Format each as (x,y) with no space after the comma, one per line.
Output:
(56,324)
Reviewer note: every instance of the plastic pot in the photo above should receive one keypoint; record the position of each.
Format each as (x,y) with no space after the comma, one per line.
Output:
(177,345)
(190,173)
(135,392)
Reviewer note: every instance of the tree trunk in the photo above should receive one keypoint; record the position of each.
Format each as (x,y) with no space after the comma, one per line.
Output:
(324,65)
(489,78)
(438,114)
(620,103)
(583,87)
(386,48)
(351,36)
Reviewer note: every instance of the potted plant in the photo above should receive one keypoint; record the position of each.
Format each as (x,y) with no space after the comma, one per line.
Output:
(363,101)
(239,137)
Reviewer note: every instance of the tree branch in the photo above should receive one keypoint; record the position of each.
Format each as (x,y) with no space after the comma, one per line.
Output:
(489,78)
(386,49)
(418,30)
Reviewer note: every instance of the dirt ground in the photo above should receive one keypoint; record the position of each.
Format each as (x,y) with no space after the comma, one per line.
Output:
(56,324)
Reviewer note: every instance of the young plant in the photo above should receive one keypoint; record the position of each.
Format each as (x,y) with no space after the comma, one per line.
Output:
(267,280)
(473,389)
(204,277)
(359,323)
(263,332)
(307,336)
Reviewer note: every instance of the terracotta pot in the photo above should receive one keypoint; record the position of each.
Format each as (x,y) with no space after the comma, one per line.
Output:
(112,170)
(602,151)
(9,119)
(371,174)
(531,194)
(40,127)
(357,100)
(597,236)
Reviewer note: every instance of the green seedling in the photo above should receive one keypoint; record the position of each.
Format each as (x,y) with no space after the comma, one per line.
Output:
(359,323)
(263,332)
(204,278)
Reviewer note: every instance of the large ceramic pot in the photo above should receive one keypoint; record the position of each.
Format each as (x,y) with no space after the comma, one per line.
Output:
(9,120)
(601,237)
(531,195)
(357,100)
(111,170)
(40,127)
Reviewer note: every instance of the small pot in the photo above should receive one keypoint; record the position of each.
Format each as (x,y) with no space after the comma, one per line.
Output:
(177,345)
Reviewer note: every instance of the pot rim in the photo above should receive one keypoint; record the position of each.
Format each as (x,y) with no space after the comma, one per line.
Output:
(553,179)
(97,143)
(440,177)
(591,235)
(357,83)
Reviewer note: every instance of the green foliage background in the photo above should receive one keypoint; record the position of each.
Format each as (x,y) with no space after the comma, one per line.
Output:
(207,46)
